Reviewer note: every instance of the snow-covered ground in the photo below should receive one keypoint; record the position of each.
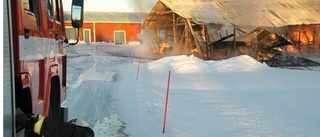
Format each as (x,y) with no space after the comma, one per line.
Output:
(234,97)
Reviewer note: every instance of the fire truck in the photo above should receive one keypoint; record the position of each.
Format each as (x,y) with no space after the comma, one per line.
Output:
(34,60)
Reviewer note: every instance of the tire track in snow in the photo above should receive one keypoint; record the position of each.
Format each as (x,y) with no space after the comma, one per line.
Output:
(83,76)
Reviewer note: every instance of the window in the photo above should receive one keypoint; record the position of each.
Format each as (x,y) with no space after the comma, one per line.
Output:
(54,9)
(26,4)
(50,8)
(30,5)
(31,9)
(57,10)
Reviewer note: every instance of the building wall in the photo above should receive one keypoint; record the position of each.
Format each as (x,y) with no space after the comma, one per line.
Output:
(87,26)
(104,32)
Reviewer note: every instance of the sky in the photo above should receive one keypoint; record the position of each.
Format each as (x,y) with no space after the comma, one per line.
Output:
(114,5)
(240,96)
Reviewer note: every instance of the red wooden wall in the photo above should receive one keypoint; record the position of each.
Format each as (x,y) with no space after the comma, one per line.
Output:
(105,31)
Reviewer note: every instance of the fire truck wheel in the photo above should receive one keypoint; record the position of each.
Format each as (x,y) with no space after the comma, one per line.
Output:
(54,111)
(23,97)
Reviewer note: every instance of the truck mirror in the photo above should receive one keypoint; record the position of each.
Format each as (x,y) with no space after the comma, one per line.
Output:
(77,13)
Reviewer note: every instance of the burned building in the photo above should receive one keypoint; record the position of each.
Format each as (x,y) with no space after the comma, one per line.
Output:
(213,29)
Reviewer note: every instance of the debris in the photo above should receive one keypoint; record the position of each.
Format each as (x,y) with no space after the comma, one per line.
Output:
(260,44)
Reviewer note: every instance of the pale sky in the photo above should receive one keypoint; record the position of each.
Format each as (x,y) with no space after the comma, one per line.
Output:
(114,5)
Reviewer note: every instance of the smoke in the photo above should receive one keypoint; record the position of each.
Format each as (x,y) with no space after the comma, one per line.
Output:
(142,5)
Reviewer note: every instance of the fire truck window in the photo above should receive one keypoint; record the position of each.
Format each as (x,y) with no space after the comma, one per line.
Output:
(31,7)
(57,10)
(50,8)
(28,5)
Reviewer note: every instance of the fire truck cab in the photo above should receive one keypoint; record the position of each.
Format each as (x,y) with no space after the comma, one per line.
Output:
(35,59)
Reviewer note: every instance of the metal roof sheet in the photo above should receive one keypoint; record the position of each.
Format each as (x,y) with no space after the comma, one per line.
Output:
(123,17)
(271,13)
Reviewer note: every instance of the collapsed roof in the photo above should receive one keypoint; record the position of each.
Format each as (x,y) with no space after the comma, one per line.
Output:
(268,13)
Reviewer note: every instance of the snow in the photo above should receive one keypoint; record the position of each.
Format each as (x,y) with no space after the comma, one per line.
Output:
(233,97)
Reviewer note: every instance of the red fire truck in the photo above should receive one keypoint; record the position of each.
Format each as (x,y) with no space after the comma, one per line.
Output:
(35,42)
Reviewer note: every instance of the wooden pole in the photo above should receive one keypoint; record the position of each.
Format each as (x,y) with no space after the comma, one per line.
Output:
(314,35)
(158,36)
(195,39)
(131,57)
(166,105)
(138,68)
(174,28)
(234,41)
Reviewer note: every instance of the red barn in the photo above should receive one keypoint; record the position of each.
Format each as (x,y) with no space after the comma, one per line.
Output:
(113,27)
